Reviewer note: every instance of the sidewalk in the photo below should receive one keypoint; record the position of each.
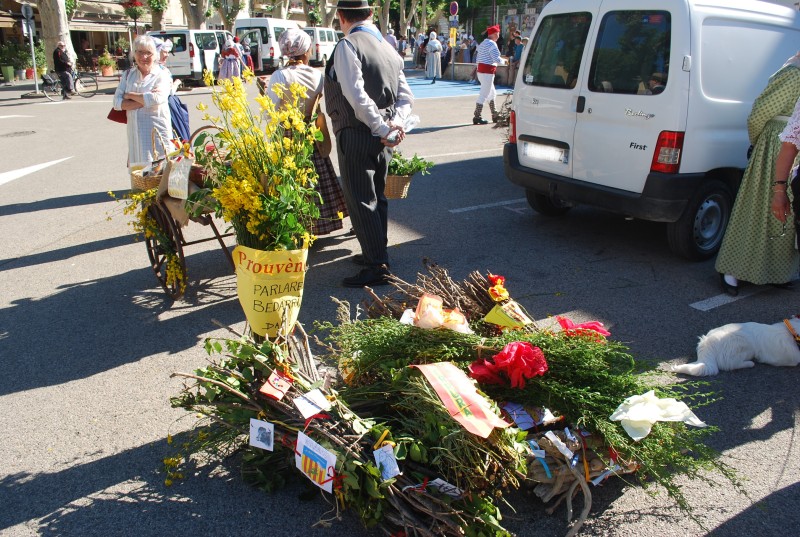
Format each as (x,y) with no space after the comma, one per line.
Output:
(25,89)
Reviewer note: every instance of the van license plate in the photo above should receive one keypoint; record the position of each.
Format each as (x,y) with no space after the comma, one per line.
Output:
(544,152)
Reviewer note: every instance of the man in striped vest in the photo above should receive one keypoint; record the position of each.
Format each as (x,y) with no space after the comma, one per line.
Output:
(367,98)
(488,58)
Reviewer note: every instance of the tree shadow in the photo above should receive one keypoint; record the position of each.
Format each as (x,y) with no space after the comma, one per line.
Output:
(61,202)
(81,329)
(125,494)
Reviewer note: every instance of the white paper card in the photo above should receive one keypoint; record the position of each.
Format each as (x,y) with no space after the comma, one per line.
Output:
(312,403)
(262,434)
(386,462)
(315,462)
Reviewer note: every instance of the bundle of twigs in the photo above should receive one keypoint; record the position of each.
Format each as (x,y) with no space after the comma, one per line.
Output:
(226,393)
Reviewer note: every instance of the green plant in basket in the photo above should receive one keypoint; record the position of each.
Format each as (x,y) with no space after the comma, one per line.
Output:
(400,165)
(258,168)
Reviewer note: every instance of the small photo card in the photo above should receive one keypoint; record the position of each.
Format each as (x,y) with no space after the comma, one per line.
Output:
(315,462)
(276,386)
(312,403)
(262,434)
(386,462)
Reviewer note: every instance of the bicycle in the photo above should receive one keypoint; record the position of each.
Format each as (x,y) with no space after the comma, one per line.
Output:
(85,85)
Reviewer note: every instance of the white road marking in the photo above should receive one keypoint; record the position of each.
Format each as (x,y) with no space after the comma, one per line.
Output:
(487,205)
(723,299)
(463,152)
(6,177)
(9,117)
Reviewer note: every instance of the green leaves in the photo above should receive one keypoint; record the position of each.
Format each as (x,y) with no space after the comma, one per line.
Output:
(399,165)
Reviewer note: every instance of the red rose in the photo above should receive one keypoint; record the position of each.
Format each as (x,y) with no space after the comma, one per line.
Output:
(583,329)
(496,280)
(485,372)
(520,361)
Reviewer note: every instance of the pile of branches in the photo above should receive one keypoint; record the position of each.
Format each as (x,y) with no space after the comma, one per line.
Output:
(377,398)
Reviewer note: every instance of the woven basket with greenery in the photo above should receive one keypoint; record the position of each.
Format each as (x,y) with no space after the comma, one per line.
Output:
(401,170)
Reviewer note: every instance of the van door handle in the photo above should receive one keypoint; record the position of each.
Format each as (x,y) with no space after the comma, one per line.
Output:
(579,107)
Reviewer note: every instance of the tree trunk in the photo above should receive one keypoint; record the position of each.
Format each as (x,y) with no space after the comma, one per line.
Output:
(55,28)
(281,8)
(407,16)
(327,12)
(383,17)
(195,14)
(423,18)
(157,18)
(228,14)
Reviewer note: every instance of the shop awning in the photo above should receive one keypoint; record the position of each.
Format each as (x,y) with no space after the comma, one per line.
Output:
(100,8)
(99,26)
(7,22)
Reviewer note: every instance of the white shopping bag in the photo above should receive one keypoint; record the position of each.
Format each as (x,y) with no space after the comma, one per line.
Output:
(179,169)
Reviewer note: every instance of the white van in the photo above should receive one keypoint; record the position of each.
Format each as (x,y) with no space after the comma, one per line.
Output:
(193,51)
(640,107)
(263,33)
(323,41)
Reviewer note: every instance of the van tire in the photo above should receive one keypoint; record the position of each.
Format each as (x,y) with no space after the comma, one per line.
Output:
(545,205)
(698,234)
(324,61)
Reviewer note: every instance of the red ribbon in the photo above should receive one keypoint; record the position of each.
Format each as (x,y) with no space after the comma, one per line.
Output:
(321,416)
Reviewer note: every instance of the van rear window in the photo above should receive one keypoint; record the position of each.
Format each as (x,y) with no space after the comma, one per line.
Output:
(631,55)
(178,40)
(554,59)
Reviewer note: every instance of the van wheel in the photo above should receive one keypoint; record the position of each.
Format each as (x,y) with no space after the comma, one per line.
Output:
(544,204)
(698,233)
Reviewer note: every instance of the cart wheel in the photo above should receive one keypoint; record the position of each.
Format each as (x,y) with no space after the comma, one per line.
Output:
(157,253)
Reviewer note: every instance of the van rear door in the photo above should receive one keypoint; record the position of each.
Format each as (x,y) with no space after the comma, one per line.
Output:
(631,90)
(255,45)
(546,100)
(208,51)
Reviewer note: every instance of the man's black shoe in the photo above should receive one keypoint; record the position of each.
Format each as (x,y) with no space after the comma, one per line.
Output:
(369,276)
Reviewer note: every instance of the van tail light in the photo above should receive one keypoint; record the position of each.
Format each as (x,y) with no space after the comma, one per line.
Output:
(272,52)
(191,50)
(317,49)
(512,128)
(667,156)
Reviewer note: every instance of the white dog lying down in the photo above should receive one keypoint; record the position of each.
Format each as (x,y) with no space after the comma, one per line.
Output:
(740,345)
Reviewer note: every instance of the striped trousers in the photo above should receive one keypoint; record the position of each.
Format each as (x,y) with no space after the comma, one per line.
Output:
(364,163)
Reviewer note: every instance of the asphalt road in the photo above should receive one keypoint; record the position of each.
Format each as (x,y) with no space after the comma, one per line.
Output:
(88,339)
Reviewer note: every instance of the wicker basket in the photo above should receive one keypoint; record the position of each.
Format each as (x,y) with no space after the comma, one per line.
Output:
(139,181)
(397,186)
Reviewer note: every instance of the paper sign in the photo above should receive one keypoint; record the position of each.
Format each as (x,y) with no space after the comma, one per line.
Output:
(446,488)
(312,403)
(386,462)
(521,418)
(270,287)
(509,315)
(262,434)
(458,393)
(276,386)
(315,462)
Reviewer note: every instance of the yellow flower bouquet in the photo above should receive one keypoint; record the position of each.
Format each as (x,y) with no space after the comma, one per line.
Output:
(259,176)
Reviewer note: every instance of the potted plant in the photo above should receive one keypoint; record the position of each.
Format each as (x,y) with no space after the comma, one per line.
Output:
(401,170)
(106,63)
(7,52)
(21,61)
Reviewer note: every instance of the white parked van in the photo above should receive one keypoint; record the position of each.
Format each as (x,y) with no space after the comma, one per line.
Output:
(323,41)
(193,51)
(640,107)
(263,33)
